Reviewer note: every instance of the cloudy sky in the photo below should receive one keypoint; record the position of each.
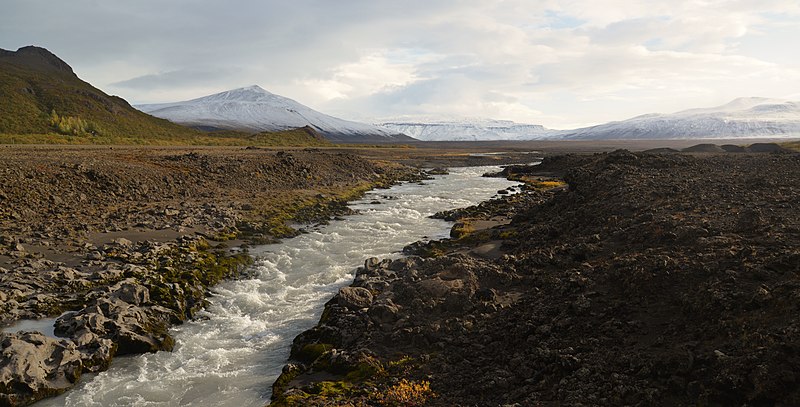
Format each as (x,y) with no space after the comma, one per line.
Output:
(558,63)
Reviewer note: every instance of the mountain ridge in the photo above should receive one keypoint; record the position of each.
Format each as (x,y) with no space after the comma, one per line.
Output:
(254,109)
(41,94)
(33,57)
(744,117)
(466,130)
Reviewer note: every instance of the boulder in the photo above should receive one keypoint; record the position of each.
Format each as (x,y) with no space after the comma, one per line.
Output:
(384,312)
(133,328)
(34,366)
(354,298)
(131,292)
(438,171)
(122,242)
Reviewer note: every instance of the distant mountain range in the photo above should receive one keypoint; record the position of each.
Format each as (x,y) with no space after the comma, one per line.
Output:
(40,94)
(467,130)
(254,109)
(742,118)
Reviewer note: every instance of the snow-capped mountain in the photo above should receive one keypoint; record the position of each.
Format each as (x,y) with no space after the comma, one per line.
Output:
(254,109)
(466,130)
(742,118)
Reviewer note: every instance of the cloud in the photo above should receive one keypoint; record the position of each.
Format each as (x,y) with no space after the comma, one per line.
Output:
(558,63)
(172,79)
(371,74)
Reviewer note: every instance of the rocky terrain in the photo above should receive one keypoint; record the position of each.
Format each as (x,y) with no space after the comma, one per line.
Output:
(122,243)
(649,279)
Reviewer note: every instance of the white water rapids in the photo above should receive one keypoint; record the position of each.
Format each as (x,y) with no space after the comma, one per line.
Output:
(233,354)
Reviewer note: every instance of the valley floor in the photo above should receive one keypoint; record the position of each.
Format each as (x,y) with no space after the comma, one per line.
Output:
(130,238)
(651,277)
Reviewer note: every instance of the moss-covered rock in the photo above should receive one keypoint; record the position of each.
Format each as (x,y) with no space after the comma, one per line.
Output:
(311,352)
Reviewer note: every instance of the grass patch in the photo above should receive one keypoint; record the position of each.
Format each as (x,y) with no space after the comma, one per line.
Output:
(462,229)
(287,138)
(406,393)
(369,383)
(538,183)
(271,217)
(793,145)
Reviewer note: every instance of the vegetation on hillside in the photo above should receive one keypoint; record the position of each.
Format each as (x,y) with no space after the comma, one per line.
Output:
(286,138)
(794,145)
(73,125)
(43,102)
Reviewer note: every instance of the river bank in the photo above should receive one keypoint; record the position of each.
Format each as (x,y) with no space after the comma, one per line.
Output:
(649,280)
(129,241)
(121,243)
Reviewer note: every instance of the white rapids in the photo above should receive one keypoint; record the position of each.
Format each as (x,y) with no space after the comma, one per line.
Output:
(232,354)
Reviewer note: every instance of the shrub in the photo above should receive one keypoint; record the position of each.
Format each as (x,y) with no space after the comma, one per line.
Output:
(406,393)
(74,126)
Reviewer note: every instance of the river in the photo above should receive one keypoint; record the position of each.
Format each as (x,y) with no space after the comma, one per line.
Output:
(232,354)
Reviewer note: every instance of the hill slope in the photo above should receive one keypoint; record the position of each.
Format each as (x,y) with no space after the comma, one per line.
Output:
(741,118)
(254,109)
(39,94)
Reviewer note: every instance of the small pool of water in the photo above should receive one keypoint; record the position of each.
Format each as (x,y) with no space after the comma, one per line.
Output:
(44,325)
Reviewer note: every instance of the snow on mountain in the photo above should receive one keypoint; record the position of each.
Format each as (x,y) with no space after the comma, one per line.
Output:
(466,130)
(741,118)
(255,109)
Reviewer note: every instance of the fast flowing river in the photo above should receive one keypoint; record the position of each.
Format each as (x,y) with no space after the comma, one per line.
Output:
(235,351)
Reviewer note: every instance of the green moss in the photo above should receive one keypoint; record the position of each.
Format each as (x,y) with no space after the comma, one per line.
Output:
(322,393)
(508,234)
(331,388)
(224,236)
(286,377)
(293,400)
(167,343)
(462,229)
(162,294)
(400,363)
(368,384)
(311,352)
(271,221)
(365,370)
(182,279)
(326,315)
